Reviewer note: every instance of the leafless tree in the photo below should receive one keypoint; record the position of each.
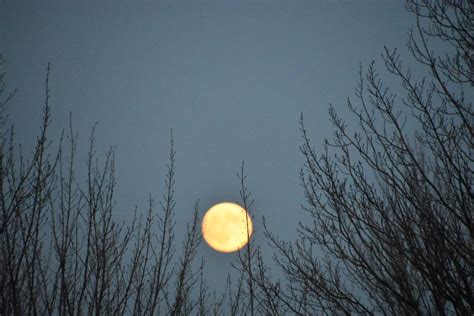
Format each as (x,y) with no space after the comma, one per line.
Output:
(392,229)
(246,257)
(63,250)
(26,188)
(391,207)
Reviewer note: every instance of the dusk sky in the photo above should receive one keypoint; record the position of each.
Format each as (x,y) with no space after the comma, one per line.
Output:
(229,77)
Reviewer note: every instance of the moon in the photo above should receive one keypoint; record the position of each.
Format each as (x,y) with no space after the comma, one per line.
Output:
(224,227)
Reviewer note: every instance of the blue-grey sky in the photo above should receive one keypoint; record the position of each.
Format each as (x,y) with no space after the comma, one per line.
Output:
(230,77)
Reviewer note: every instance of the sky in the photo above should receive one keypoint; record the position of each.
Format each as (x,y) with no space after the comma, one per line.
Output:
(231,79)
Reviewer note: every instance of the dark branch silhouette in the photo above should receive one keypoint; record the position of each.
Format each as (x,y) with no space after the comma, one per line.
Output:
(392,203)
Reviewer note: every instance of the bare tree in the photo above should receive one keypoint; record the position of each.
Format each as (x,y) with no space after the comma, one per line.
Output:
(392,210)
(246,257)
(157,249)
(186,277)
(63,251)
(25,195)
(391,205)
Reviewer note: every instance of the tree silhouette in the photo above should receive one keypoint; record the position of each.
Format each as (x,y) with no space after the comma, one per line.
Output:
(392,210)
(63,252)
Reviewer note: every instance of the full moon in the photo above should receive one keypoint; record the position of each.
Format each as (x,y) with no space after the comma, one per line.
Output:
(224,227)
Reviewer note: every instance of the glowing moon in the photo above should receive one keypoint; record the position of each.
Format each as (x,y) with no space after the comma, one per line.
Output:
(224,227)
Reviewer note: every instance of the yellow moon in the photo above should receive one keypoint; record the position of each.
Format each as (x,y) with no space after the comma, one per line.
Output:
(224,227)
